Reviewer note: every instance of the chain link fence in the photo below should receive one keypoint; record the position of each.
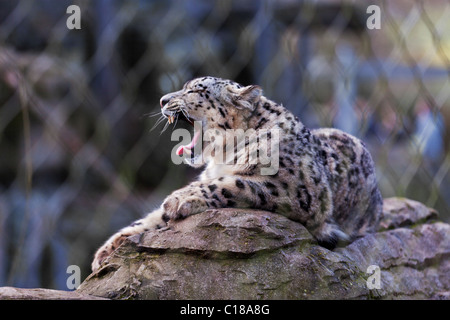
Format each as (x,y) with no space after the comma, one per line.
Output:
(78,160)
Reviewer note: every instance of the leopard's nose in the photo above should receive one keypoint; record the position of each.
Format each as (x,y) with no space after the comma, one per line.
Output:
(164,100)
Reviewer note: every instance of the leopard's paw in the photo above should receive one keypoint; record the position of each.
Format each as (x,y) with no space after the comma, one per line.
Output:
(176,207)
(105,251)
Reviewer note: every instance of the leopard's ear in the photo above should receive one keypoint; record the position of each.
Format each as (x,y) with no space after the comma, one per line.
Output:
(245,97)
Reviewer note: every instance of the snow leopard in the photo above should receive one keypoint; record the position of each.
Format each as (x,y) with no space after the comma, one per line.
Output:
(325,178)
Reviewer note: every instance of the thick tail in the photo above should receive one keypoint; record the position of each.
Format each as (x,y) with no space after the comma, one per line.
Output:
(329,235)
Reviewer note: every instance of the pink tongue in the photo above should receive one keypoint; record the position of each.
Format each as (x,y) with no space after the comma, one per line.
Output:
(180,149)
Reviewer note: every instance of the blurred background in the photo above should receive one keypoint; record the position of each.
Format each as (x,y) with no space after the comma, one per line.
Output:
(78,160)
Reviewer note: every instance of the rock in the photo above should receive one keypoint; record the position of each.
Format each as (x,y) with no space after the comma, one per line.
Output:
(250,254)
(11,293)
(399,212)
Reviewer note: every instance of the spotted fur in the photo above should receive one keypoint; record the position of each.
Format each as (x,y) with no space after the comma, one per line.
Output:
(326,178)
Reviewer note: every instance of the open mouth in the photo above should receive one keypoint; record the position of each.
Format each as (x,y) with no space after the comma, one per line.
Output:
(187,149)
(180,114)
(174,116)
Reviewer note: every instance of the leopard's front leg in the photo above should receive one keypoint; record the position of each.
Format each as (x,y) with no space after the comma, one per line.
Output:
(185,202)
(153,220)
(310,207)
(224,192)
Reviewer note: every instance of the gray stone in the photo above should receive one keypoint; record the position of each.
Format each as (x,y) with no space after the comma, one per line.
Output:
(250,254)
(11,293)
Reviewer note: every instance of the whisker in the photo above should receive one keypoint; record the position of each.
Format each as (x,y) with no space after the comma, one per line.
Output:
(158,122)
(165,127)
(176,121)
(161,119)
(151,115)
(185,113)
(175,111)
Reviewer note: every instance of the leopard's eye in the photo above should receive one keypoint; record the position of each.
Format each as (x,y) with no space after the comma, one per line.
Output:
(198,89)
(195,90)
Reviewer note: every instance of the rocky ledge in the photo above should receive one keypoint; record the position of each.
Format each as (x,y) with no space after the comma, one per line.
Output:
(250,254)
